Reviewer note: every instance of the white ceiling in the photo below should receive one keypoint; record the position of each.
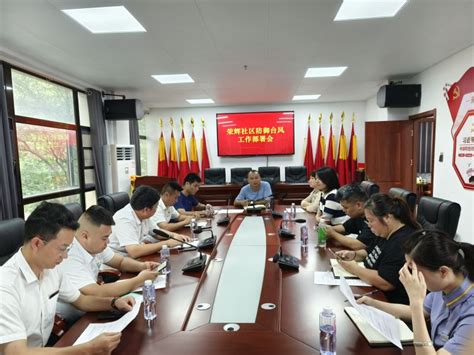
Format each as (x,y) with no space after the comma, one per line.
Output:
(212,40)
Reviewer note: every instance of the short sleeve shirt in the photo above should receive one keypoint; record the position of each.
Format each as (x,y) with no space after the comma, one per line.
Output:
(387,257)
(360,227)
(452,317)
(187,203)
(163,214)
(128,230)
(331,209)
(28,304)
(246,192)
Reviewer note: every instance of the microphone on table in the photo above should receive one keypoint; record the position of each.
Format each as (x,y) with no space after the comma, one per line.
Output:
(208,242)
(275,214)
(284,232)
(225,220)
(194,264)
(286,261)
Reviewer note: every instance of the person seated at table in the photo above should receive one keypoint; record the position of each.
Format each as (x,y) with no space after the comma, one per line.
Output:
(391,220)
(133,229)
(445,267)
(31,284)
(330,210)
(255,192)
(352,199)
(89,251)
(311,203)
(187,204)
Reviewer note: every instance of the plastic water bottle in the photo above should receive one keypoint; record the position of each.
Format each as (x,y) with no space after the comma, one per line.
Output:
(209,210)
(293,210)
(149,301)
(304,235)
(327,332)
(165,257)
(193,226)
(286,217)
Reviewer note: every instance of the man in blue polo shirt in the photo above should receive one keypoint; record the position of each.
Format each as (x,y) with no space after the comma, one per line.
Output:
(187,204)
(255,192)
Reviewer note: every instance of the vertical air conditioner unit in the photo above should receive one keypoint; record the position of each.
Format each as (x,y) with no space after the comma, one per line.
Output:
(119,166)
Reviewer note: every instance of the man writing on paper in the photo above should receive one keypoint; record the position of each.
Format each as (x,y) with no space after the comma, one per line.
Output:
(187,204)
(31,284)
(352,199)
(255,192)
(133,228)
(166,212)
(89,251)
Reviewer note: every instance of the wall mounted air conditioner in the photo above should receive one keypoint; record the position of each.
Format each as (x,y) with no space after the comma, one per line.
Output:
(119,166)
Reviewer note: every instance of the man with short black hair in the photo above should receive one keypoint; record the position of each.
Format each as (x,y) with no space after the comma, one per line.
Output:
(187,204)
(165,212)
(255,192)
(352,199)
(89,251)
(134,227)
(31,284)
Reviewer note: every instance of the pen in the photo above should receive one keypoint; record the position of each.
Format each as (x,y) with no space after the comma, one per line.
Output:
(357,296)
(53,294)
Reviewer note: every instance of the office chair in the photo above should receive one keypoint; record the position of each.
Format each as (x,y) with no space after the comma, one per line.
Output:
(408,196)
(12,232)
(436,213)
(114,201)
(239,175)
(75,209)
(271,174)
(214,176)
(369,187)
(295,174)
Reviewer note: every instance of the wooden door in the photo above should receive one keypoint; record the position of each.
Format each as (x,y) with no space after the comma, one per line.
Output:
(389,154)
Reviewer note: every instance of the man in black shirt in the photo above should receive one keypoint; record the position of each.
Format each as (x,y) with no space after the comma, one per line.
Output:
(352,199)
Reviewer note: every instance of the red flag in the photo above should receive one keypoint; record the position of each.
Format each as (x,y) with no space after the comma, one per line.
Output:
(353,154)
(320,149)
(173,170)
(183,159)
(162,160)
(194,155)
(204,156)
(331,147)
(308,156)
(342,161)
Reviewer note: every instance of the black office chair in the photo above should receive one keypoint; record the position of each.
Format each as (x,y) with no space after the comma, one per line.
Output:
(408,196)
(271,174)
(75,209)
(239,175)
(12,232)
(369,187)
(436,213)
(114,201)
(295,174)
(214,176)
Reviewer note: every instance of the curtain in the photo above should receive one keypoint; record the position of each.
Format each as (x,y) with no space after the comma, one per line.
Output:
(98,137)
(8,188)
(135,140)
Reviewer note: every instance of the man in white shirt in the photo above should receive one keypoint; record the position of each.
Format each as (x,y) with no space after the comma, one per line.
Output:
(166,211)
(89,251)
(31,284)
(133,227)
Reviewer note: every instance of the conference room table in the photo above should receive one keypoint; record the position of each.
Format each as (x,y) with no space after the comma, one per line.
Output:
(292,327)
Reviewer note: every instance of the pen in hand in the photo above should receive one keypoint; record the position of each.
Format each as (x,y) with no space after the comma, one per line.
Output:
(358,295)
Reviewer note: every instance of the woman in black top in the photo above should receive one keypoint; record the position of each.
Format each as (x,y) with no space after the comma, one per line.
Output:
(391,220)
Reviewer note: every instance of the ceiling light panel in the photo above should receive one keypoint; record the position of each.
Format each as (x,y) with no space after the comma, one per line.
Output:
(200,101)
(305,97)
(111,19)
(366,9)
(173,78)
(324,72)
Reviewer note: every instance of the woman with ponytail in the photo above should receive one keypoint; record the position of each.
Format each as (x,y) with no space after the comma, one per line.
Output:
(446,268)
(391,220)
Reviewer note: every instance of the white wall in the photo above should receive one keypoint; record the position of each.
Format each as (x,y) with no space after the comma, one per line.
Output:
(209,114)
(446,183)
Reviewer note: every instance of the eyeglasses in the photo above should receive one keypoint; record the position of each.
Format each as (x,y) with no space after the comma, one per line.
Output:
(62,250)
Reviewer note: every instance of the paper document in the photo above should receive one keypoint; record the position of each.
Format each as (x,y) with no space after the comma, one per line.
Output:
(327,278)
(160,282)
(185,246)
(231,210)
(298,210)
(383,322)
(95,329)
(339,271)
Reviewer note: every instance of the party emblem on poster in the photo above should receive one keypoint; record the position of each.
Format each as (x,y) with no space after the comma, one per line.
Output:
(460,98)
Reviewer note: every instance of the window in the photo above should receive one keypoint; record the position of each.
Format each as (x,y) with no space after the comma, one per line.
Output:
(51,124)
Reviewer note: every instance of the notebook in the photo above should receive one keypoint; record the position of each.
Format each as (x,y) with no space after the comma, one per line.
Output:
(339,271)
(373,337)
